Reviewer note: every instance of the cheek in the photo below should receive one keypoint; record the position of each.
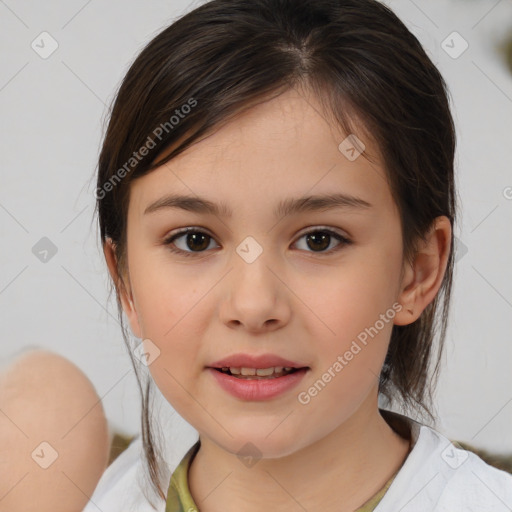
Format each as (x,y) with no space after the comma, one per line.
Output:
(166,298)
(349,300)
(349,364)
(170,311)
(172,321)
(354,306)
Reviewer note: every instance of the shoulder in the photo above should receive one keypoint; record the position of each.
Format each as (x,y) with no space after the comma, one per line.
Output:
(440,476)
(120,488)
(474,483)
(124,486)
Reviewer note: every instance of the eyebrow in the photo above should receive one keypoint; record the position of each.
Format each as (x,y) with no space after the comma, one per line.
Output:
(284,208)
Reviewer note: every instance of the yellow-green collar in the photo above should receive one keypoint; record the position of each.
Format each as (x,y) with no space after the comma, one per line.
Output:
(179,498)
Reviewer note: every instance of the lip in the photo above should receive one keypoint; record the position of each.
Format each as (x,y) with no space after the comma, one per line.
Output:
(255,361)
(257,389)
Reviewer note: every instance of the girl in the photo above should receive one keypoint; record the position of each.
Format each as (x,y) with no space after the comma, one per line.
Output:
(276,204)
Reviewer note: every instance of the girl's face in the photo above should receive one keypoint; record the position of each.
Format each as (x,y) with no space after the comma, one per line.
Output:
(252,282)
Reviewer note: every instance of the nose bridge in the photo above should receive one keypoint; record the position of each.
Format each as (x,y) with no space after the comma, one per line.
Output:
(251,262)
(252,297)
(250,250)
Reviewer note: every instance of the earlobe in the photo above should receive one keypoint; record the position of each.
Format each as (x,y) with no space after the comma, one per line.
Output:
(123,291)
(423,278)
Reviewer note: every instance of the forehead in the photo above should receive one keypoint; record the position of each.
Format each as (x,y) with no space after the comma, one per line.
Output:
(286,144)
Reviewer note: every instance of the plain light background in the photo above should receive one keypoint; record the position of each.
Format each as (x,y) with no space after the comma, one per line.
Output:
(52,113)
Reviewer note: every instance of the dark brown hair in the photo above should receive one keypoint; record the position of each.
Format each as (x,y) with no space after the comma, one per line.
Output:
(368,71)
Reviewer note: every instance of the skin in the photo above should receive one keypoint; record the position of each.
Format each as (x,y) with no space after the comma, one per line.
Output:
(294,300)
(46,398)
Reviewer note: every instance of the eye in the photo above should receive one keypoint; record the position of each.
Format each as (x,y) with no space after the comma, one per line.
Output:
(321,238)
(318,239)
(194,238)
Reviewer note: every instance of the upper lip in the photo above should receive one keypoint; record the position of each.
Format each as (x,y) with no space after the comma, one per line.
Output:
(254,361)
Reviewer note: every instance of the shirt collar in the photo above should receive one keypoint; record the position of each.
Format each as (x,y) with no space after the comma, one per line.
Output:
(179,498)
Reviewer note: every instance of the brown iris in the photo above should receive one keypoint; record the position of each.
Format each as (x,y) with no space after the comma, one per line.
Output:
(318,238)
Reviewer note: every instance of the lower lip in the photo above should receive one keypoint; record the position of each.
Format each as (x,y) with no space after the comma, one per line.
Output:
(258,389)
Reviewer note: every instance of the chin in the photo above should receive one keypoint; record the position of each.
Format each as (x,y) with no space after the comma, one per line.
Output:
(256,443)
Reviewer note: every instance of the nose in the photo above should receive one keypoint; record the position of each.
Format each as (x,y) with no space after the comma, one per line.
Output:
(255,296)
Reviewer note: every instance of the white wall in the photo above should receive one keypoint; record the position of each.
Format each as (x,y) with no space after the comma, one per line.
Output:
(52,111)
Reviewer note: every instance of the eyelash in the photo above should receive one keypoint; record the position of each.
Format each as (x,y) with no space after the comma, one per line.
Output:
(344,241)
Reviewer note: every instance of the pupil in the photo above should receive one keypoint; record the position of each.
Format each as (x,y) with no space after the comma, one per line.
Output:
(194,237)
(322,238)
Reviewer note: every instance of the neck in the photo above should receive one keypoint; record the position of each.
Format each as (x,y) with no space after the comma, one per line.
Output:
(340,471)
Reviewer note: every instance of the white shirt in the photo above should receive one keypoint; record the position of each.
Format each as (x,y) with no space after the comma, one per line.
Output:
(436,477)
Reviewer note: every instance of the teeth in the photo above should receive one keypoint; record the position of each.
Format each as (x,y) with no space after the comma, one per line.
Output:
(264,372)
(259,372)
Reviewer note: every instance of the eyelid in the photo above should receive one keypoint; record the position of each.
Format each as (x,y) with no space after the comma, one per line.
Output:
(320,227)
(181,231)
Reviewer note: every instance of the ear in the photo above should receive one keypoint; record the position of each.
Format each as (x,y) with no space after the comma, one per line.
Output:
(422,279)
(122,289)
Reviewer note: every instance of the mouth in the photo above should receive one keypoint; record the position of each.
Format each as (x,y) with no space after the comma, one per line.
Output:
(245,373)
(246,366)
(248,383)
